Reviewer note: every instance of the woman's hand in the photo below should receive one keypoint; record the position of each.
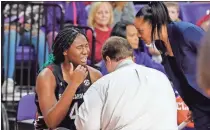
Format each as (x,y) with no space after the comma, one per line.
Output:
(153,51)
(79,74)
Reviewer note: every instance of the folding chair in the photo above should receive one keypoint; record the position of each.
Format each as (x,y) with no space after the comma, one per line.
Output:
(27,109)
(4,118)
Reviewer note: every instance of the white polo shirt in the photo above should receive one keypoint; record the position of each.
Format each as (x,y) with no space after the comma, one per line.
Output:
(133,97)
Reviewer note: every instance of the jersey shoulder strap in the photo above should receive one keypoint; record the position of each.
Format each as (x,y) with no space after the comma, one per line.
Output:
(57,72)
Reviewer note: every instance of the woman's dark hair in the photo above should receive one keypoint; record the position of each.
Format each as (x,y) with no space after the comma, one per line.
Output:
(156,14)
(120,30)
(62,42)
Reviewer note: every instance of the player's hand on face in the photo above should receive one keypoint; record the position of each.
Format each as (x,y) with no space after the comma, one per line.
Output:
(79,74)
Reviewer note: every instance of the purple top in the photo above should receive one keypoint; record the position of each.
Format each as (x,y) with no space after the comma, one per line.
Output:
(141,58)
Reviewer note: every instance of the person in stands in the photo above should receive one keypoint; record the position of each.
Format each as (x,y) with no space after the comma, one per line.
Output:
(128,31)
(100,20)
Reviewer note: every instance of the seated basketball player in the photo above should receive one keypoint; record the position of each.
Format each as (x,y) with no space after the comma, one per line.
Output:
(62,82)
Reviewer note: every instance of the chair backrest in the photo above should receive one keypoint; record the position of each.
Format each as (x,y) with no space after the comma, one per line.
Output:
(27,108)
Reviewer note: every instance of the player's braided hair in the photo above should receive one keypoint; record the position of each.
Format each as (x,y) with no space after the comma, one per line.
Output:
(62,42)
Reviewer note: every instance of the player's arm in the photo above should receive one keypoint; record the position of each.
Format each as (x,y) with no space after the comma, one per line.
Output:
(54,111)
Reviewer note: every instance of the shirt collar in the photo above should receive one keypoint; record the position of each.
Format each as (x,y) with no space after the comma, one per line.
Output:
(124,63)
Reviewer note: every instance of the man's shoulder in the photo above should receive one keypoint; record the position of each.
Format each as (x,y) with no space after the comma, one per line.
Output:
(102,84)
(149,71)
(129,70)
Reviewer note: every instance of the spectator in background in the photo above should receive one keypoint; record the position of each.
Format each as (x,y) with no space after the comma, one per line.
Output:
(100,19)
(87,5)
(173,10)
(74,13)
(204,22)
(13,37)
(123,11)
(128,31)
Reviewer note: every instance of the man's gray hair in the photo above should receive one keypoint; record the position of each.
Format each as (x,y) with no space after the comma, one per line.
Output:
(116,48)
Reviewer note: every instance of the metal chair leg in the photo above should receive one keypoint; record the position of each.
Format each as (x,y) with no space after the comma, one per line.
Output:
(5,119)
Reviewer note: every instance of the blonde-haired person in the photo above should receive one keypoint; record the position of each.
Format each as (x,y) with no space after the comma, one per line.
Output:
(100,19)
(173,10)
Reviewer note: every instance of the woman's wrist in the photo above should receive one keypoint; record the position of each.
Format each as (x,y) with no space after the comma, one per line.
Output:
(168,48)
(74,85)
